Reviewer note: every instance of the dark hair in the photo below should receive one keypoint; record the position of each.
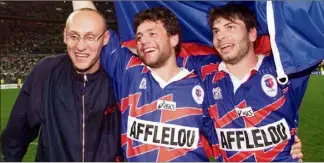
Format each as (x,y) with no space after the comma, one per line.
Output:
(233,11)
(167,18)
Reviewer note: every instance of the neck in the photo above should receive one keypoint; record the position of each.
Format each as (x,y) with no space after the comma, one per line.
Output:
(169,70)
(244,66)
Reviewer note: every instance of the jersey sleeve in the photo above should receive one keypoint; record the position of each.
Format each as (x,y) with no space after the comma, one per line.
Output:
(209,131)
(116,59)
(298,84)
(202,65)
(297,87)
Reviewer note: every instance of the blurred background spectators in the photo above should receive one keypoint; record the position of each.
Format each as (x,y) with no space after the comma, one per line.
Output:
(16,67)
(33,30)
(30,31)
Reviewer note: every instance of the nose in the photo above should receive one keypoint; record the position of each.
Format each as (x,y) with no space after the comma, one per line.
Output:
(145,40)
(81,45)
(220,36)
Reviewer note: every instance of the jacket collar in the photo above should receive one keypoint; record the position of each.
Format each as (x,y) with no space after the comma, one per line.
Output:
(86,77)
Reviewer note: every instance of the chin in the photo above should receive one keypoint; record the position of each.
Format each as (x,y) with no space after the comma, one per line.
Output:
(155,64)
(81,68)
(227,57)
(150,64)
(224,57)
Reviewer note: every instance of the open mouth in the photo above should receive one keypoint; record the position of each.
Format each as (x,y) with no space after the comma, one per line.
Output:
(226,47)
(81,56)
(149,50)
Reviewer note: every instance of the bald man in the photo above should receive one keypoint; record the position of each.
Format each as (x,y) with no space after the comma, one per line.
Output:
(68,100)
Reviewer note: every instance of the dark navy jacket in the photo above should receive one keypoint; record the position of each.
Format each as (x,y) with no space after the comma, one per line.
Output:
(52,102)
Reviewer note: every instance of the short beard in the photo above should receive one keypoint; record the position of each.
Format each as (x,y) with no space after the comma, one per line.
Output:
(158,64)
(243,51)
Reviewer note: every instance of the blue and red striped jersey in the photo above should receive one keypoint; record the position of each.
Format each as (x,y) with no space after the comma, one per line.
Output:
(159,123)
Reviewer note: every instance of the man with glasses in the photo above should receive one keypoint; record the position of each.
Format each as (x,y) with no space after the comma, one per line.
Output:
(68,98)
(161,101)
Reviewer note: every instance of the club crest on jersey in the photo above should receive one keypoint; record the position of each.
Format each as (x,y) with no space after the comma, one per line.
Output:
(143,84)
(198,94)
(269,85)
(166,105)
(217,92)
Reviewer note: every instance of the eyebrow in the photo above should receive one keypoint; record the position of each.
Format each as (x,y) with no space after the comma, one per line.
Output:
(148,30)
(72,32)
(88,33)
(214,28)
(232,22)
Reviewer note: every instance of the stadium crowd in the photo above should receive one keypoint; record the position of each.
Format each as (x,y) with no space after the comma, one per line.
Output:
(55,10)
(30,37)
(13,68)
(32,30)
(36,9)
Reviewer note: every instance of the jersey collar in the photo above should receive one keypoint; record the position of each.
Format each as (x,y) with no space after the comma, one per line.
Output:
(222,66)
(181,75)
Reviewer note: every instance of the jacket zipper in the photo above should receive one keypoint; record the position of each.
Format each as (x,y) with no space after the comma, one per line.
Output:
(83,119)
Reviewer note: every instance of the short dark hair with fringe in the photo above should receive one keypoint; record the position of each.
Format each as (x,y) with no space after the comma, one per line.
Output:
(167,18)
(233,11)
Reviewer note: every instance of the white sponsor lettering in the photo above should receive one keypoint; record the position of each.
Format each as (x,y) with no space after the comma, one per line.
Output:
(244,112)
(166,105)
(161,134)
(254,138)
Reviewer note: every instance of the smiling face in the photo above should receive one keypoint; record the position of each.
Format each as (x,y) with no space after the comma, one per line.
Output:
(154,45)
(232,40)
(87,25)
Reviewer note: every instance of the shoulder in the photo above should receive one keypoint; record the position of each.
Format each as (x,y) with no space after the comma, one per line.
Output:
(49,63)
(268,60)
(204,59)
(53,60)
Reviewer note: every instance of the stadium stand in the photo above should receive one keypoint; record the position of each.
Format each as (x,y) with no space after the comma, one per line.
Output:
(33,30)
(16,67)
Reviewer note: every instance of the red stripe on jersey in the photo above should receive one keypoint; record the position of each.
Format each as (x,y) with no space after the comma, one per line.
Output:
(260,155)
(123,139)
(262,113)
(145,69)
(138,150)
(133,62)
(166,155)
(194,49)
(168,115)
(218,76)
(191,75)
(208,69)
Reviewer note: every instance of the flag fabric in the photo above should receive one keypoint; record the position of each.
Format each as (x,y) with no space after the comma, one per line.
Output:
(296,29)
